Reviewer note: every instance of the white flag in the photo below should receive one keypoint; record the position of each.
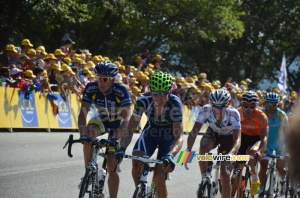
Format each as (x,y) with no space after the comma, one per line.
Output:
(282,76)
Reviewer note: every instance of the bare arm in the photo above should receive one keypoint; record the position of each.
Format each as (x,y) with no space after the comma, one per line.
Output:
(193,135)
(263,139)
(178,138)
(236,135)
(126,114)
(127,134)
(84,109)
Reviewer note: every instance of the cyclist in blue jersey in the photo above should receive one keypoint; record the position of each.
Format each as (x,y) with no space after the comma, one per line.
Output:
(278,122)
(224,129)
(112,100)
(163,129)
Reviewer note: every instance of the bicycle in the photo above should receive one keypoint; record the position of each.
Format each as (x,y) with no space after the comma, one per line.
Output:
(209,188)
(143,190)
(272,190)
(91,173)
(243,181)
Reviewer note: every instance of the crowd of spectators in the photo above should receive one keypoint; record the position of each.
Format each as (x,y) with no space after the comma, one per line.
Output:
(68,71)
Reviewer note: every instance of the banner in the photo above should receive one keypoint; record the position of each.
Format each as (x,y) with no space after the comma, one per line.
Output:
(282,76)
(28,110)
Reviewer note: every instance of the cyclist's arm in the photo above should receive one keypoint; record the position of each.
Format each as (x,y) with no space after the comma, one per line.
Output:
(178,138)
(84,109)
(236,135)
(126,114)
(193,135)
(263,139)
(127,134)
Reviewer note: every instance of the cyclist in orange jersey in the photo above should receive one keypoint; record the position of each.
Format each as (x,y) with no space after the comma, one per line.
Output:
(254,124)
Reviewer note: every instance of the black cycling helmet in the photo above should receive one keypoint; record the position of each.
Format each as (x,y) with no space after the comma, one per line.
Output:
(106,68)
(219,97)
(272,97)
(250,97)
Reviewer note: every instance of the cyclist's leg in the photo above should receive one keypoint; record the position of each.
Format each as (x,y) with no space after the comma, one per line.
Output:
(165,141)
(145,145)
(113,176)
(207,143)
(226,143)
(263,170)
(281,168)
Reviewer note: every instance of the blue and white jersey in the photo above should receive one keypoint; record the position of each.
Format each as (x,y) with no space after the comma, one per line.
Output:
(172,112)
(108,104)
(231,119)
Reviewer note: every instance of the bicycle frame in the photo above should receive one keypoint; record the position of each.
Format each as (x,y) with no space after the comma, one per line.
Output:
(271,175)
(91,168)
(142,189)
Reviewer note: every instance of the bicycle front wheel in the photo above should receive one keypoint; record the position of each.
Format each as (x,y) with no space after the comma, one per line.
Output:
(85,184)
(204,190)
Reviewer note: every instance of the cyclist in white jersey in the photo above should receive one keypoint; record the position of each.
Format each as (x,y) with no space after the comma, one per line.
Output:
(224,130)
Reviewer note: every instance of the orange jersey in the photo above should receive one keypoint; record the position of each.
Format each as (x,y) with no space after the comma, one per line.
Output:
(252,126)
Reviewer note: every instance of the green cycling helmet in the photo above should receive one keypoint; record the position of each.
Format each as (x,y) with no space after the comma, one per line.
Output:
(160,81)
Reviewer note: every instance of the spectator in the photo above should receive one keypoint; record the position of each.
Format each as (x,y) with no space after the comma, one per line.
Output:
(6,58)
(41,54)
(157,61)
(67,48)
(68,36)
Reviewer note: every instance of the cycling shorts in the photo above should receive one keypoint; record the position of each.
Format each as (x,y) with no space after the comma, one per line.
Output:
(247,141)
(225,142)
(279,150)
(104,127)
(153,137)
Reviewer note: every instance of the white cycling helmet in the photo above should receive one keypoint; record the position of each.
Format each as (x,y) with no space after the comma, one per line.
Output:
(219,97)
(272,97)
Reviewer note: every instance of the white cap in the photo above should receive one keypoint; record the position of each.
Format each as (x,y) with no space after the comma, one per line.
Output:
(248,80)
(118,77)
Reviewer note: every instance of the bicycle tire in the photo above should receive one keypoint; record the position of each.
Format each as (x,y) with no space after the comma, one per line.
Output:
(204,190)
(85,183)
(247,183)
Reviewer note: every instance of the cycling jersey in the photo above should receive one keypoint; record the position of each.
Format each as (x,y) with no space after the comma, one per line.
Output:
(231,119)
(252,126)
(158,130)
(108,104)
(275,136)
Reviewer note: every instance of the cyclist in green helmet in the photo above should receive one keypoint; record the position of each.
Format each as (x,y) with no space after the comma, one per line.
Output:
(163,129)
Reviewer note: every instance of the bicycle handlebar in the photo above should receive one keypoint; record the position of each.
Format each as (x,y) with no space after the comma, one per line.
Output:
(143,159)
(71,141)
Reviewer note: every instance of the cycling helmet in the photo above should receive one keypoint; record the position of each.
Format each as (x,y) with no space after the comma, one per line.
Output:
(160,81)
(250,97)
(272,97)
(106,68)
(219,97)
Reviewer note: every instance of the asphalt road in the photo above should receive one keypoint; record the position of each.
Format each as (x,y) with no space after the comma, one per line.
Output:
(35,165)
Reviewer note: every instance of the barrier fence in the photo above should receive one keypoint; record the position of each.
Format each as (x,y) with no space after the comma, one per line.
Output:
(37,112)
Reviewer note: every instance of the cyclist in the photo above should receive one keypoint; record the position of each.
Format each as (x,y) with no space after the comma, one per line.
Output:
(278,122)
(254,133)
(163,129)
(224,130)
(112,100)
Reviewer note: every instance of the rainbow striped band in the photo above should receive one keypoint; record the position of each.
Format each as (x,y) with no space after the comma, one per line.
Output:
(185,157)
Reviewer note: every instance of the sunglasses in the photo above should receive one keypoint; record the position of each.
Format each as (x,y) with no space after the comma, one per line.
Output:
(249,107)
(105,79)
(270,104)
(220,106)
(160,93)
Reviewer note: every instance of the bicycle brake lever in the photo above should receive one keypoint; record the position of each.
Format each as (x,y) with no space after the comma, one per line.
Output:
(67,142)
(186,166)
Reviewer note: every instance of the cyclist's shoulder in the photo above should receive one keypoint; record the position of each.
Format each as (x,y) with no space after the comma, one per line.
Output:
(119,88)
(145,98)
(92,87)
(175,100)
(281,113)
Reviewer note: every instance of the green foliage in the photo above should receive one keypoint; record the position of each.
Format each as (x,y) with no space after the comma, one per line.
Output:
(221,37)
